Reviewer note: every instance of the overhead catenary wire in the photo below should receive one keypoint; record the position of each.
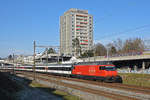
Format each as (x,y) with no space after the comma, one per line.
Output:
(126,31)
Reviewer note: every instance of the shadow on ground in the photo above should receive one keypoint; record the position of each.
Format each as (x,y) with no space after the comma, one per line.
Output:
(10,85)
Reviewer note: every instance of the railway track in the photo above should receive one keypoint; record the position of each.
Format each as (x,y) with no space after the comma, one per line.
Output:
(145,90)
(86,89)
(126,92)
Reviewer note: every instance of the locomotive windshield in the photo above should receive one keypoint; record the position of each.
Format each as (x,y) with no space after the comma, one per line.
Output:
(108,68)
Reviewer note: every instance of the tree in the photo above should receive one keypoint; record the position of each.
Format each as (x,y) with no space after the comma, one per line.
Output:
(112,50)
(88,53)
(118,44)
(100,50)
(10,57)
(51,50)
(76,46)
(138,44)
(48,51)
(133,45)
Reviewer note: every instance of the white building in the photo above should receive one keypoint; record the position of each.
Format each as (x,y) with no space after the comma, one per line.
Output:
(76,24)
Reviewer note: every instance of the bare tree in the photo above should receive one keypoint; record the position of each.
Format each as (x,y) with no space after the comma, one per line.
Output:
(138,44)
(147,44)
(128,46)
(133,45)
(100,50)
(118,44)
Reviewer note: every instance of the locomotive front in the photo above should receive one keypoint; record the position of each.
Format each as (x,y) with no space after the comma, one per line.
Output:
(110,73)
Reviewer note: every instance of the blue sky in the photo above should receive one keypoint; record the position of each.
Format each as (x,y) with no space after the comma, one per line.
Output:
(23,21)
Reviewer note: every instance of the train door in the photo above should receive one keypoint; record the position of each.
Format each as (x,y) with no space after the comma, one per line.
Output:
(46,69)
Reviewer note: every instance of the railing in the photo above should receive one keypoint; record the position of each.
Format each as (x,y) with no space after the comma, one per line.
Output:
(126,54)
(140,71)
(118,55)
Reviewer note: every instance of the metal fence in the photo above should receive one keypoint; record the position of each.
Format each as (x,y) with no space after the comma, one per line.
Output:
(140,71)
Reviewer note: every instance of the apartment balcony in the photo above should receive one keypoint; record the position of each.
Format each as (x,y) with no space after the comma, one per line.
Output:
(83,22)
(85,40)
(82,15)
(77,29)
(78,25)
(79,19)
(84,43)
(82,26)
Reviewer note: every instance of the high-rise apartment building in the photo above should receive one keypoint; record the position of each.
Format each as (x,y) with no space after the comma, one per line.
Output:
(74,24)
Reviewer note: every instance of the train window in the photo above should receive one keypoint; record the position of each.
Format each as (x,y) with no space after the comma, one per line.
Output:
(68,69)
(29,67)
(40,68)
(101,68)
(51,68)
(108,68)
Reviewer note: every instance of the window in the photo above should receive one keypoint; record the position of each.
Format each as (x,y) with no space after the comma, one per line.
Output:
(108,68)
(101,68)
(60,68)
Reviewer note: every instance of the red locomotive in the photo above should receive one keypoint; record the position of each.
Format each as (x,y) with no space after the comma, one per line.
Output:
(106,73)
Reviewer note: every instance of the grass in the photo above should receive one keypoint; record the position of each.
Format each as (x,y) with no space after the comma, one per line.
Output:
(136,79)
(55,92)
(66,96)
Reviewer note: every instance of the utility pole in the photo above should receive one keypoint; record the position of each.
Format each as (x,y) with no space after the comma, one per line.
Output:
(34,47)
(108,54)
(13,64)
(58,56)
(46,56)
(58,59)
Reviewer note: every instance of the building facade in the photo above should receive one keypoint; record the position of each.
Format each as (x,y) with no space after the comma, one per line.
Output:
(74,24)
